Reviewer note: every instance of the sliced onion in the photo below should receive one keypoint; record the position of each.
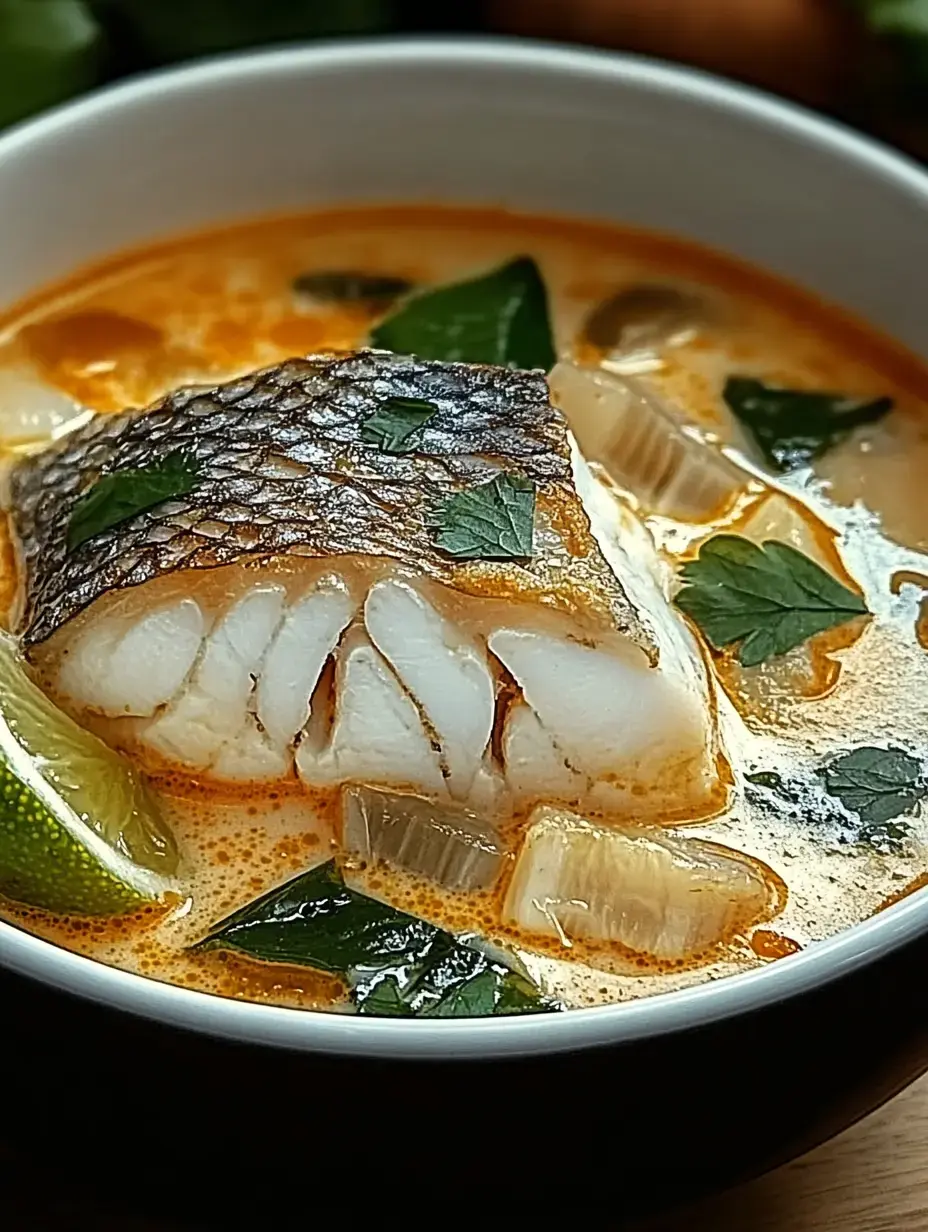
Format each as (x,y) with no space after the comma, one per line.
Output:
(447,844)
(655,893)
(644,445)
(33,412)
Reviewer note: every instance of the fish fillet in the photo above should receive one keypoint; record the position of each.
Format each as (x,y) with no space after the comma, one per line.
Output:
(294,616)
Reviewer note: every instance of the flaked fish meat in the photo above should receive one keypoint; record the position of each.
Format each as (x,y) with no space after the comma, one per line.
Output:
(303,611)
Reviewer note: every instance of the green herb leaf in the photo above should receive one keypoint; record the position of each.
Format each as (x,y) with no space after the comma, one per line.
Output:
(493,521)
(351,287)
(385,1000)
(122,494)
(396,964)
(773,782)
(501,318)
(768,598)
(877,784)
(766,778)
(474,998)
(397,420)
(793,427)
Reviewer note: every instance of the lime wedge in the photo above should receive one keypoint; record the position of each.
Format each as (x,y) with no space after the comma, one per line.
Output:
(80,832)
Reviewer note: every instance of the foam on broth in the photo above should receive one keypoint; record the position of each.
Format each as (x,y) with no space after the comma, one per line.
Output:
(219,304)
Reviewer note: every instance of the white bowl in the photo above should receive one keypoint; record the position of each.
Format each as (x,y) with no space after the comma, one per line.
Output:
(488,122)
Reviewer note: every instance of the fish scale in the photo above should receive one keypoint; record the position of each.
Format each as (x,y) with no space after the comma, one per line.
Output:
(283,468)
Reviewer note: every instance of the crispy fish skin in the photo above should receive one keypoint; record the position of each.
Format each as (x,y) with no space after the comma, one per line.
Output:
(283,469)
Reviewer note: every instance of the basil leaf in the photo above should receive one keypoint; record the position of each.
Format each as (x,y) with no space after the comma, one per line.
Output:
(122,494)
(877,784)
(793,427)
(493,521)
(351,287)
(385,1000)
(768,598)
(317,921)
(397,420)
(474,998)
(396,964)
(501,318)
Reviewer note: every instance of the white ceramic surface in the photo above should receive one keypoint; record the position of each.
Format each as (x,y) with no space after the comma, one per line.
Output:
(488,122)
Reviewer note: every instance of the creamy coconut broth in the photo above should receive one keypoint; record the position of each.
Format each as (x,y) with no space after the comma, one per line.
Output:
(778,799)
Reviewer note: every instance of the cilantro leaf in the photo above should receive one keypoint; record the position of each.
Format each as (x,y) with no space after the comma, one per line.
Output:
(793,427)
(396,964)
(122,494)
(501,318)
(768,598)
(493,521)
(877,784)
(390,427)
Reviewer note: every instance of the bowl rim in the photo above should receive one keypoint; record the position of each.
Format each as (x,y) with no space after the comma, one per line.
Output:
(651,1016)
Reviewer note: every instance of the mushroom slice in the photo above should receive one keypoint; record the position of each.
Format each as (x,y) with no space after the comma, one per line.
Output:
(646,316)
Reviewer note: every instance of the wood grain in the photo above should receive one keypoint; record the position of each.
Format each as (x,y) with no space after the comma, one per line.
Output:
(873,1178)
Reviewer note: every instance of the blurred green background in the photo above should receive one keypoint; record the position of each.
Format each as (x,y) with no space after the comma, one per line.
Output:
(866,60)
(51,50)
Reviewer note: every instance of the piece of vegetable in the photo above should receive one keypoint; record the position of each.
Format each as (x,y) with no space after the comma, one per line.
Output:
(876,784)
(793,427)
(351,287)
(32,412)
(658,894)
(122,494)
(499,318)
(645,317)
(771,781)
(493,521)
(392,426)
(79,830)
(768,598)
(49,51)
(785,520)
(644,446)
(395,963)
(446,843)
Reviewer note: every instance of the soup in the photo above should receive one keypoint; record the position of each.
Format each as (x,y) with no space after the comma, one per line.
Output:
(483,615)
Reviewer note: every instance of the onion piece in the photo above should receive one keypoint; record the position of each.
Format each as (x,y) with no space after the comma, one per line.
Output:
(778,517)
(655,893)
(33,412)
(448,844)
(644,445)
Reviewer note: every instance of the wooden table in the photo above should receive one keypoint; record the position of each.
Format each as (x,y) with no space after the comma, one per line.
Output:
(873,1178)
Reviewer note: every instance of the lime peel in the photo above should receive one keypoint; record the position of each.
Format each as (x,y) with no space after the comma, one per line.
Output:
(50,854)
